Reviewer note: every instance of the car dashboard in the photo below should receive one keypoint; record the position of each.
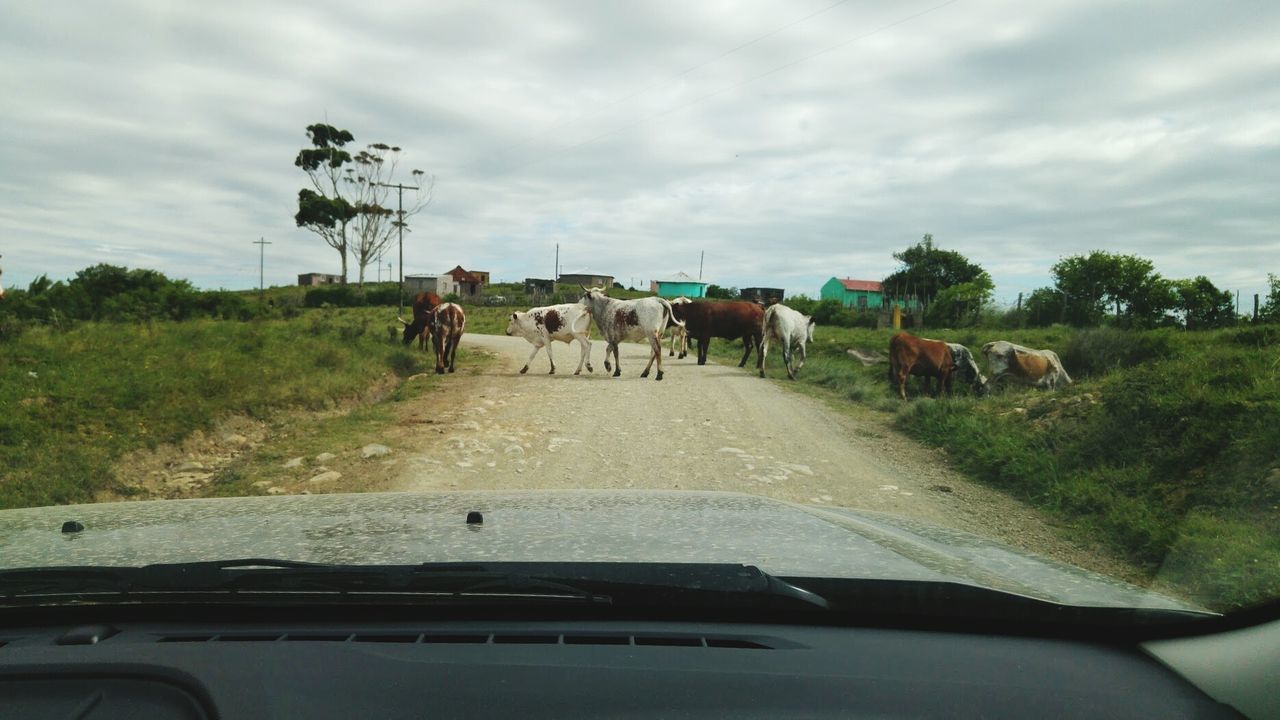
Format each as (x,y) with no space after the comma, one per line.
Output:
(558,669)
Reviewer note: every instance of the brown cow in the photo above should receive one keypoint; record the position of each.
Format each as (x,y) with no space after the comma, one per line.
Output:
(730,320)
(1040,368)
(424,305)
(910,355)
(446,328)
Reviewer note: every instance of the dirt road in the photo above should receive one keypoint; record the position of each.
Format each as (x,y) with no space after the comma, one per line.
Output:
(713,427)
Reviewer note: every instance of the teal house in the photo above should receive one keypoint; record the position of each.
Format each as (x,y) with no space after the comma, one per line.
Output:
(854,294)
(678,285)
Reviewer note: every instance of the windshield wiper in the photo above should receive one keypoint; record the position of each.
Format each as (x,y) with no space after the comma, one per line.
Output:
(627,584)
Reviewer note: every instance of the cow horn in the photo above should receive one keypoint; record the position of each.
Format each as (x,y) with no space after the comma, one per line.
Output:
(584,287)
(404,322)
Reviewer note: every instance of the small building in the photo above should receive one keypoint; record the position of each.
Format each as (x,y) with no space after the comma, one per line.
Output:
(678,285)
(586,279)
(854,294)
(537,287)
(439,284)
(763,295)
(468,283)
(314,279)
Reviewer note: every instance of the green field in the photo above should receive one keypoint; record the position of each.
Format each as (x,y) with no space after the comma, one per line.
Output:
(1166,448)
(77,399)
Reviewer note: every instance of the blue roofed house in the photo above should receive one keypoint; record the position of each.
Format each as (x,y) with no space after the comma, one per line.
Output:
(678,285)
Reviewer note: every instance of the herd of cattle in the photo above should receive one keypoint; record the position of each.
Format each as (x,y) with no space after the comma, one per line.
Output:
(648,319)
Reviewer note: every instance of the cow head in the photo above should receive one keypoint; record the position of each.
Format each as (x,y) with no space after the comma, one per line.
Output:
(966,368)
(411,329)
(809,324)
(513,323)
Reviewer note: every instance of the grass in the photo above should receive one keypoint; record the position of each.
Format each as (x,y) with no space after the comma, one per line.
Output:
(1166,448)
(77,399)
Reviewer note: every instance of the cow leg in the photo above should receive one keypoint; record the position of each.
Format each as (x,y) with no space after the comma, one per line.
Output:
(759,341)
(617,361)
(746,351)
(787,355)
(532,355)
(900,379)
(453,352)
(804,355)
(437,342)
(551,358)
(582,356)
(655,345)
(704,344)
(764,350)
(675,337)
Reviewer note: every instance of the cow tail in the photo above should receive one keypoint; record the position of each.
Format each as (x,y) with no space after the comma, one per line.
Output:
(671,315)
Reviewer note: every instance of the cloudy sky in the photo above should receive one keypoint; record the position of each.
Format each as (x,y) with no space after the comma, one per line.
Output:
(791,141)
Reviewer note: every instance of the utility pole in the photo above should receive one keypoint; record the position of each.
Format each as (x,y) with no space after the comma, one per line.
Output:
(555,277)
(262,251)
(701,257)
(400,225)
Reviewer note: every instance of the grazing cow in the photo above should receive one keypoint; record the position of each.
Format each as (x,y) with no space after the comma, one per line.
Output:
(922,357)
(543,325)
(424,305)
(678,334)
(446,326)
(1040,368)
(966,368)
(619,320)
(788,328)
(728,319)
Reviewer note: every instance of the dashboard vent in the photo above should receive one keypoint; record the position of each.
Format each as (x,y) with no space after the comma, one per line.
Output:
(481,638)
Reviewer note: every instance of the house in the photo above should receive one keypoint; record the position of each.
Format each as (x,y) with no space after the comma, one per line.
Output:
(313,279)
(586,279)
(439,284)
(855,294)
(678,285)
(763,295)
(538,287)
(468,283)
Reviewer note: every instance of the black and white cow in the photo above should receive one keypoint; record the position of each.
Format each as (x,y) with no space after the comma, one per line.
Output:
(966,368)
(635,320)
(543,325)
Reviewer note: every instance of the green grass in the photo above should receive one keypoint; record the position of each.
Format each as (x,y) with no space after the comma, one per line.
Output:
(1167,447)
(75,400)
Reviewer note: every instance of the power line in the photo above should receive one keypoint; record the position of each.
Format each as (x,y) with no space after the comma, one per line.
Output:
(687,71)
(699,100)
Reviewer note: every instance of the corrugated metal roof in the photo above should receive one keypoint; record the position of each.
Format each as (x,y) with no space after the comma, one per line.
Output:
(680,278)
(863,285)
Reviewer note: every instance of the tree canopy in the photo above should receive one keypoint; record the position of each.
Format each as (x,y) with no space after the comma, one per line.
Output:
(927,271)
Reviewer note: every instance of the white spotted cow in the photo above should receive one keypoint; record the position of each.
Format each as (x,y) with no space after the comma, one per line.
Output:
(789,329)
(678,334)
(1040,368)
(544,325)
(635,320)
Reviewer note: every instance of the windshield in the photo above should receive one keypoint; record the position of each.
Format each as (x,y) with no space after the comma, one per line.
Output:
(315,282)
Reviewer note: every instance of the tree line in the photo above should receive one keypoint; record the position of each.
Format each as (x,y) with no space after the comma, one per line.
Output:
(1088,290)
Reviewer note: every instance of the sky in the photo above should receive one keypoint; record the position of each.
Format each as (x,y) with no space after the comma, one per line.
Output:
(788,140)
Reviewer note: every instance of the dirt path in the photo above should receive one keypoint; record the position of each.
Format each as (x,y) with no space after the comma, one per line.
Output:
(714,427)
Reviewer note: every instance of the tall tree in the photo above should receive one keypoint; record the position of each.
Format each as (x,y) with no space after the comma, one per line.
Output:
(1270,311)
(1203,305)
(376,205)
(1092,283)
(926,271)
(326,210)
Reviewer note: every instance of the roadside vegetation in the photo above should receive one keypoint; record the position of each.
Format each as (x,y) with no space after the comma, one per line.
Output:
(77,395)
(1166,448)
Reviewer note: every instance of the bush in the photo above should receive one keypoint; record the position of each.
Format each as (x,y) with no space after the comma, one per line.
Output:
(1099,350)
(332,295)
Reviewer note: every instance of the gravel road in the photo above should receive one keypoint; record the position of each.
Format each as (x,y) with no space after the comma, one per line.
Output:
(714,427)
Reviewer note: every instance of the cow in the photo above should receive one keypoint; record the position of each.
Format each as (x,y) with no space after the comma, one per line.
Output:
(788,328)
(543,325)
(922,357)
(1040,368)
(619,320)
(446,326)
(678,334)
(966,368)
(424,305)
(730,320)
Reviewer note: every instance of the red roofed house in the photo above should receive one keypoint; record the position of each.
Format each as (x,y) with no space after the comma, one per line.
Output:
(468,282)
(860,294)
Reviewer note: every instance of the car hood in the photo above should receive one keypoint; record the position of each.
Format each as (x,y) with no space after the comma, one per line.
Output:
(550,526)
